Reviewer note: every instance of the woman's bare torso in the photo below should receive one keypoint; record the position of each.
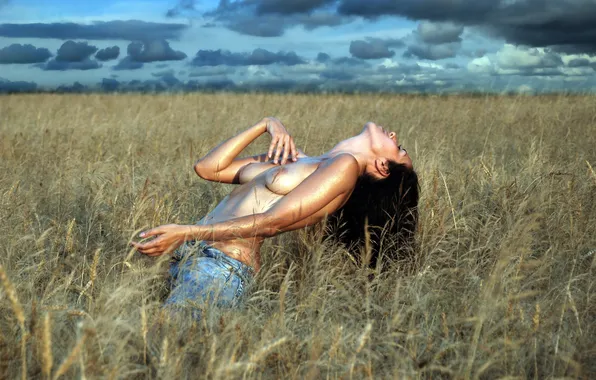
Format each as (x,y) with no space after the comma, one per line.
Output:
(262,186)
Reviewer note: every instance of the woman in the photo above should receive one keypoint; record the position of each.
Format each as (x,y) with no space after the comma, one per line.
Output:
(367,179)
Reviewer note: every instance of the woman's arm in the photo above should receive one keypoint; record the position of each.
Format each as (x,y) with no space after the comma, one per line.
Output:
(322,193)
(221,163)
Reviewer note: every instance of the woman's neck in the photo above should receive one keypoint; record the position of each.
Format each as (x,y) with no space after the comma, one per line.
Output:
(358,146)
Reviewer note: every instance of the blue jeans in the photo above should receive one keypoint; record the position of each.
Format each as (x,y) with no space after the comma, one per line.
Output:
(203,276)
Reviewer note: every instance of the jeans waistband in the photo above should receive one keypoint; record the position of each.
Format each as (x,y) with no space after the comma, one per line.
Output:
(201,248)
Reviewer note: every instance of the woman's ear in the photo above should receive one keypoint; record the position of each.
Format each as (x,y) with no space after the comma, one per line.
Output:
(382,166)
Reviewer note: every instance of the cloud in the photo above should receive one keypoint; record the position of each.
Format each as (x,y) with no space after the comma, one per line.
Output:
(256,57)
(323,57)
(163,73)
(183,6)
(434,40)
(374,48)
(72,56)
(209,71)
(210,85)
(432,52)
(579,62)
(108,53)
(271,18)
(71,51)
(170,79)
(152,51)
(523,58)
(109,85)
(567,24)
(55,65)
(521,61)
(262,27)
(130,30)
(17,53)
(435,33)
(127,63)
(288,6)
(340,75)
(75,88)
(7,86)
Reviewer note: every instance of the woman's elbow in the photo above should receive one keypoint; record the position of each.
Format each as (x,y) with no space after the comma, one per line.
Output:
(203,171)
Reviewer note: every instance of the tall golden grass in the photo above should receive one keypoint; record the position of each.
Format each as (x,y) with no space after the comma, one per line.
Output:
(502,283)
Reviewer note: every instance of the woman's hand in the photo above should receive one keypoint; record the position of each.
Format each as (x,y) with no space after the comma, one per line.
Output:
(169,237)
(281,141)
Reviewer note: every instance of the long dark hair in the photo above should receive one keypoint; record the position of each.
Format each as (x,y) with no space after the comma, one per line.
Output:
(384,211)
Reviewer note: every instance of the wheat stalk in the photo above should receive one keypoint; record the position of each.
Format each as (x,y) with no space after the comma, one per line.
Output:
(144,330)
(361,343)
(17,309)
(69,246)
(46,352)
(67,362)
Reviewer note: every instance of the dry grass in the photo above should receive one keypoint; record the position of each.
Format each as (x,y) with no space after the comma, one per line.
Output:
(502,284)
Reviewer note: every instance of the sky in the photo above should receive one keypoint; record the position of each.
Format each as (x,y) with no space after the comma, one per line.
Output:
(299,45)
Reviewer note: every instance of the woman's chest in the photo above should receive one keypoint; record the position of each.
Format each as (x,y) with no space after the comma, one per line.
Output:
(283,179)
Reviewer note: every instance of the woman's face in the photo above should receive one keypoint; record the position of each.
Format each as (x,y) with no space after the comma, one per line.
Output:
(387,145)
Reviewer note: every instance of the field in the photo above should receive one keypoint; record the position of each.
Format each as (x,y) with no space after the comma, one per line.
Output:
(502,284)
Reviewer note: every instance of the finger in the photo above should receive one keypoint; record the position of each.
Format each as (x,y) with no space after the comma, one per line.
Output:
(278,151)
(152,252)
(294,150)
(152,232)
(151,244)
(287,150)
(271,147)
(140,246)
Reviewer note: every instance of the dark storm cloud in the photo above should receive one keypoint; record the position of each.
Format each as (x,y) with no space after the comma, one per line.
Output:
(75,88)
(270,18)
(109,85)
(127,63)
(17,53)
(565,23)
(288,6)
(7,86)
(579,62)
(72,56)
(432,52)
(340,75)
(435,33)
(374,48)
(266,26)
(323,57)
(71,51)
(434,40)
(152,51)
(110,30)
(170,79)
(256,57)
(55,65)
(163,73)
(108,53)
(182,7)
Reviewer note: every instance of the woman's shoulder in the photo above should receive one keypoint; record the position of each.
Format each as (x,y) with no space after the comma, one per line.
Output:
(343,161)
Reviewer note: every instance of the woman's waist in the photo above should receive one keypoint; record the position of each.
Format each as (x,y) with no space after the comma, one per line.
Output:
(247,251)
